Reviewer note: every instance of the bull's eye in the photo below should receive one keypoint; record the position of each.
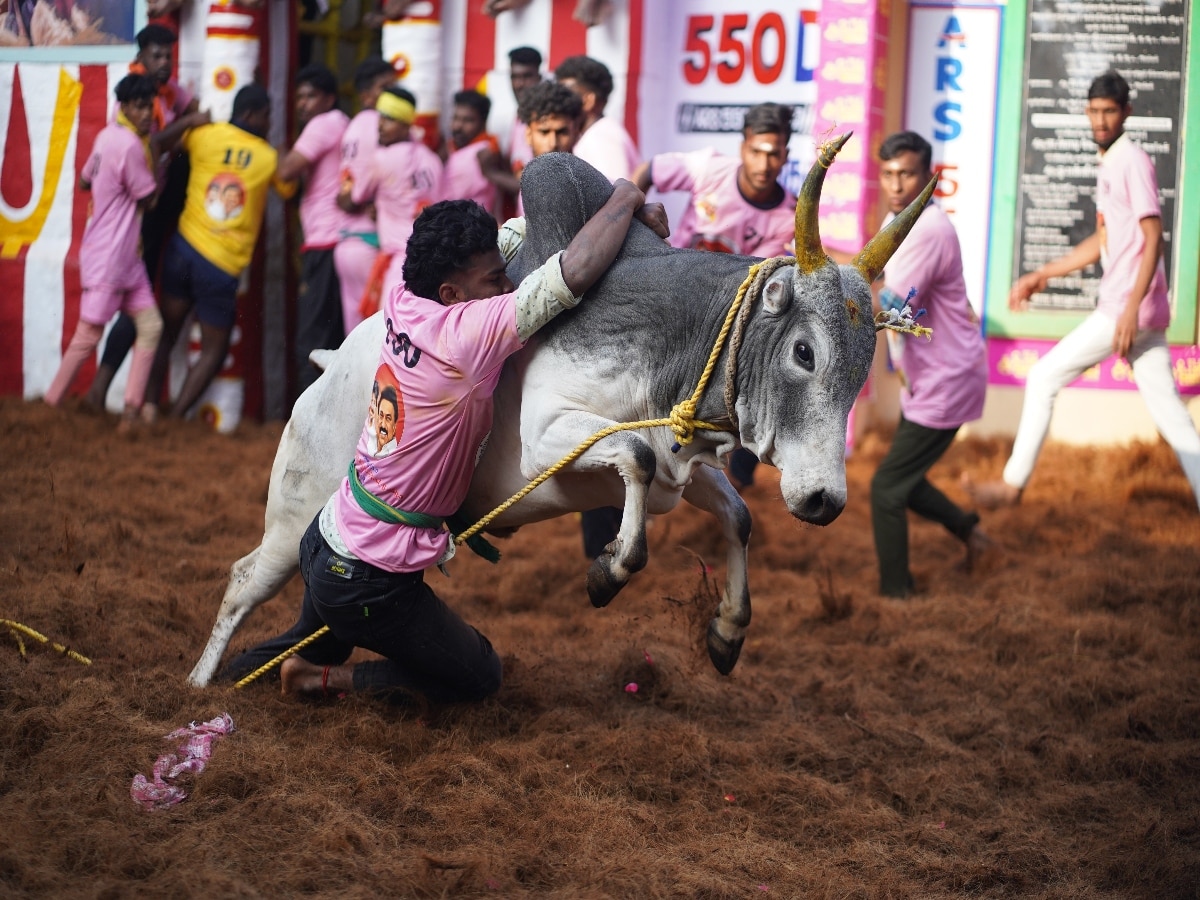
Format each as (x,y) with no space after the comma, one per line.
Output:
(804,355)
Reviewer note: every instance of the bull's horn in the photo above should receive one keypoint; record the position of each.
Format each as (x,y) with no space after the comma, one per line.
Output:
(810,255)
(879,249)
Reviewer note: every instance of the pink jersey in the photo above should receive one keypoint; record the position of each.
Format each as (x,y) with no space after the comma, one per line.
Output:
(719,217)
(463,179)
(360,140)
(1126,193)
(946,375)
(519,151)
(608,147)
(321,144)
(431,413)
(120,176)
(402,179)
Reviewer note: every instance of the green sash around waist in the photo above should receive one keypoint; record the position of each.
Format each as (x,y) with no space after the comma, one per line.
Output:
(384,512)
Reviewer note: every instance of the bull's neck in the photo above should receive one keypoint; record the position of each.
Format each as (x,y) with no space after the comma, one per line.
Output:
(734,314)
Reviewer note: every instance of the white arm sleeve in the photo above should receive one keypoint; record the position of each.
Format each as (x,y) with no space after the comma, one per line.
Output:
(542,296)
(512,236)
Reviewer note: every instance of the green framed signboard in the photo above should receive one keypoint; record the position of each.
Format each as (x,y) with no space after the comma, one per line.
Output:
(1045,169)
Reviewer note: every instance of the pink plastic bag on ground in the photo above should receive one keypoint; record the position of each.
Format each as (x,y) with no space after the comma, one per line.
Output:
(191,756)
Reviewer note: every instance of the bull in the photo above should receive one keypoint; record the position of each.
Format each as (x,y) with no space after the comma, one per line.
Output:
(631,351)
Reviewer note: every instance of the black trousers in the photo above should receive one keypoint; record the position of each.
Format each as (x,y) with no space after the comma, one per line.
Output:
(742,464)
(600,527)
(319,323)
(429,650)
(899,484)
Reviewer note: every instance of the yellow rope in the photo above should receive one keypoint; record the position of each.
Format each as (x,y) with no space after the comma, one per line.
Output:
(682,421)
(291,651)
(15,627)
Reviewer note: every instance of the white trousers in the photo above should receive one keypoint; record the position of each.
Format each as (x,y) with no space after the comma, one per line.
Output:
(1089,343)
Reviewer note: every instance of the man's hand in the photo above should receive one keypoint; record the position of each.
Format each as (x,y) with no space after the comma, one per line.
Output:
(489,160)
(1027,285)
(1126,333)
(654,217)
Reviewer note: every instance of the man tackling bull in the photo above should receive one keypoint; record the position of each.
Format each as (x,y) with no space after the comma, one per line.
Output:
(450,326)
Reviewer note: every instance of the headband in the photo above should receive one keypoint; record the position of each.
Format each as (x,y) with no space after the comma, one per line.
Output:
(396,108)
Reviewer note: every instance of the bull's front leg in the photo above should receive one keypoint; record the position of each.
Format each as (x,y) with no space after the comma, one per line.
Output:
(631,457)
(710,490)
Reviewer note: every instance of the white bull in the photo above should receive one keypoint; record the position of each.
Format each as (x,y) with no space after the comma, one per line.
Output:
(632,350)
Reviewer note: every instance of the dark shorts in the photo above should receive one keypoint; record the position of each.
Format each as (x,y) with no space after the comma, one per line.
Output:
(188,275)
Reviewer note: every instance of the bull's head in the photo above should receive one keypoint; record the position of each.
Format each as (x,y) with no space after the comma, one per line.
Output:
(816,339)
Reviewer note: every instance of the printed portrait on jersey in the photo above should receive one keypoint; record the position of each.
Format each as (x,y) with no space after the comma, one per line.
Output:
(225,197)
(385,414)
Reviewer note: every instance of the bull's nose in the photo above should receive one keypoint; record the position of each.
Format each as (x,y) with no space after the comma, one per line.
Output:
(819,508)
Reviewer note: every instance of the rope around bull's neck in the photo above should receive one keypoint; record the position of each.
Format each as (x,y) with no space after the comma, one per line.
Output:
(682,421)
(759,273)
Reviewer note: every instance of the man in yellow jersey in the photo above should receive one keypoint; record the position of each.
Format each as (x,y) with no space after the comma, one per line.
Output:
(231,169)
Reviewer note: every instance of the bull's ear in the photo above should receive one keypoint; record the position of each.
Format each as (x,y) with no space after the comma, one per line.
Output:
(777,295)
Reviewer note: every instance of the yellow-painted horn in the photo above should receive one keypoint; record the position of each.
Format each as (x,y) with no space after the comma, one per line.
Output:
(810,255)
(879,249)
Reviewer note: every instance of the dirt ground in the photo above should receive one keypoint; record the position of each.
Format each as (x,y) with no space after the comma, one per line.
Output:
(1029,732)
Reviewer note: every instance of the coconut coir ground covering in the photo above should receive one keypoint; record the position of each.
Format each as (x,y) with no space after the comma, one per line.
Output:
(1029,732)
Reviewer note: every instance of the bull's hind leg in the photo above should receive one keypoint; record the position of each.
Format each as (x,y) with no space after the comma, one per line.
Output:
(710,490)
(253,579)
(633,459)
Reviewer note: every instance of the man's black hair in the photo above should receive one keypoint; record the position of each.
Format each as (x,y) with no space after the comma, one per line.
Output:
(370,69)
(136,87)
(319,77)
(476,101)
(905,142)
(155,34)
(548,98)
(403,93)
(389,394)
(589,72)
(525,56)
(1110,86)
(444,239)
(250,99)
(769,118)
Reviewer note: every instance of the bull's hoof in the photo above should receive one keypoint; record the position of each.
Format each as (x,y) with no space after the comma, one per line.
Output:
(724,654)
(602,585)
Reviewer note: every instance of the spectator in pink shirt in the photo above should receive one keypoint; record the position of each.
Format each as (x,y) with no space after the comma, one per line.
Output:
(358,244)
(156,59)
(452,324)
(603,142)
(1132,311)
(944,379)
(463,177)
(552,114)
(316,157)
(737,203)
(402,178)
(120,175)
